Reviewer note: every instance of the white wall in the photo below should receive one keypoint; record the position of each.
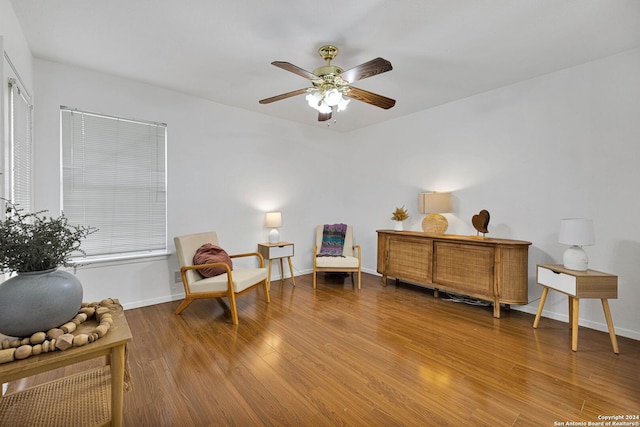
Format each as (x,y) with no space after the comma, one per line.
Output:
(564,144)
(16,64)
(226,168)
(14,43)
(561,145)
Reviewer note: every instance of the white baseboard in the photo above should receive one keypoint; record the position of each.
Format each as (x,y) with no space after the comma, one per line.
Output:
(563,317)
(153,301)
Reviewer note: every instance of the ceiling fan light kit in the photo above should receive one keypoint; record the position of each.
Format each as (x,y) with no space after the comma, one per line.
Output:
(325,98)
(331,91)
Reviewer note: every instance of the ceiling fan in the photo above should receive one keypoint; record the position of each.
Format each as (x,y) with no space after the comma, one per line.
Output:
(332,90)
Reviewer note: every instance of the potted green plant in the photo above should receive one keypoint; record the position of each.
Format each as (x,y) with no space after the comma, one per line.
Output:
(39,296)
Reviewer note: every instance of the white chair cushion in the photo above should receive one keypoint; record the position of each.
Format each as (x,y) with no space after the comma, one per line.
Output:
(242,279)
(336,262)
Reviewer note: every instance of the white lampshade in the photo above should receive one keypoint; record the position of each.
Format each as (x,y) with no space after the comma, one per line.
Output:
(313,98)
(434,202)
(342,105)
(333,97)
(576,232)
(273,221)
(324,108)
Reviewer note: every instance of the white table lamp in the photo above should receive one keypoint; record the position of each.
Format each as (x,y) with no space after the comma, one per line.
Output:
(273,221)
(576,232)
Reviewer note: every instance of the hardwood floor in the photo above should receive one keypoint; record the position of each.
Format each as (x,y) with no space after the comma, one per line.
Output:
(382,356)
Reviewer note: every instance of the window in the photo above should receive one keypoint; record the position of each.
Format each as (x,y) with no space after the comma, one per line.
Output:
(114,179)
(20,146)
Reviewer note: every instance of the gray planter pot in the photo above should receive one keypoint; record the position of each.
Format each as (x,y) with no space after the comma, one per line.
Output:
(38,301)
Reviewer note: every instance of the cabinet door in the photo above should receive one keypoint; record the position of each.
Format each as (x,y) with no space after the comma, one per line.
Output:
(466,268)
(512,274)
(409,258)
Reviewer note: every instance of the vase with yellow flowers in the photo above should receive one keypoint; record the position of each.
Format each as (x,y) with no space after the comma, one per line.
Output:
(399,215)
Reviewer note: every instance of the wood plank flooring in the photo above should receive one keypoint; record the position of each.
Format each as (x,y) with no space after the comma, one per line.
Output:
(382,356)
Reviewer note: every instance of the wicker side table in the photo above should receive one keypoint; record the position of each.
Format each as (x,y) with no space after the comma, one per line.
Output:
(108,380)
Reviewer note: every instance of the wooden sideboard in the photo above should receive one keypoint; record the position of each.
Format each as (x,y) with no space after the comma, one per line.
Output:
(490,269)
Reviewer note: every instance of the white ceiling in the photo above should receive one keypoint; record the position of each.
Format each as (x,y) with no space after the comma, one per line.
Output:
(441,50)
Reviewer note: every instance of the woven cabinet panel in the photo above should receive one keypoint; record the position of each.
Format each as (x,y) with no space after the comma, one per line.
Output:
(410,259)
(467,267)
(511,275)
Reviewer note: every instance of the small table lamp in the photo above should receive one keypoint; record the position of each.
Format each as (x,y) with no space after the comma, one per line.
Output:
(273,221)
(434,204)
(576,232)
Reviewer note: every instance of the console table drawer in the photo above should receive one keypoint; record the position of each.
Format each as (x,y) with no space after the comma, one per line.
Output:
(559,281)
(579,284)
(275,250)
(280,251)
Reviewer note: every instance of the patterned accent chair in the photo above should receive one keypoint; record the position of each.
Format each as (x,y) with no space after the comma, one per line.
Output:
(349,262)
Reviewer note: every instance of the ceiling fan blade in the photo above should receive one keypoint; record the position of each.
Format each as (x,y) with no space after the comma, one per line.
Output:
(294,69)
(323,117)
(368,69)
(282,96)
(371,98)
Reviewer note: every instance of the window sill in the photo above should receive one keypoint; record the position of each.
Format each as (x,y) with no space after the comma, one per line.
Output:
(94,262)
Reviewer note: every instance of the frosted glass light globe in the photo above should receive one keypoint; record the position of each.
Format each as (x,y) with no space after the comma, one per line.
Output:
(333,97)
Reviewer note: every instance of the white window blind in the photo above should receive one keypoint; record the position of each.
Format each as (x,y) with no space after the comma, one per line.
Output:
(21,146)
(114,179)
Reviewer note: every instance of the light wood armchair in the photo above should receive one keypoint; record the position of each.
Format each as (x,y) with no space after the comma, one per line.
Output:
(349,262)
(230,284)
